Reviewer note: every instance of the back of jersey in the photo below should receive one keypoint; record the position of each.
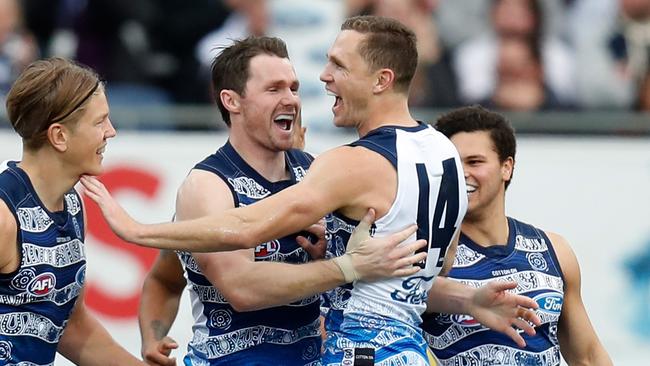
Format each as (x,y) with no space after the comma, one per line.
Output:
(431,192)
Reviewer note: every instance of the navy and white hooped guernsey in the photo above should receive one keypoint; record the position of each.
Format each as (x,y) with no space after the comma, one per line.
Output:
(377,323)
(36,300)
(529,259)
(282,335)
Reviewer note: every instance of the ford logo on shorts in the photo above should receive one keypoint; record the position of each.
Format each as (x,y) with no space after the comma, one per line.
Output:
(42,284)
(549,302)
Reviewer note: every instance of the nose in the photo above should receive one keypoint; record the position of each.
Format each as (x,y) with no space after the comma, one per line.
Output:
(325,75)
(110,130)
(291,98)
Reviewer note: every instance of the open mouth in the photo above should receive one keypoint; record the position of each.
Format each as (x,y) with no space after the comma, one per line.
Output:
(101,150)
(337,100)
(471,189)
(284,121)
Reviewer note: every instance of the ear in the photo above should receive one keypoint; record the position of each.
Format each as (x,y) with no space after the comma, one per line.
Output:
(385,78)
(230,100)
(58,135)
(506,169)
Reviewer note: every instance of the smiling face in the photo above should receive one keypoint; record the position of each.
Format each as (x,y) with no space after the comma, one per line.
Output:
(270,104)
(347,77)
(485,175)
(88,136)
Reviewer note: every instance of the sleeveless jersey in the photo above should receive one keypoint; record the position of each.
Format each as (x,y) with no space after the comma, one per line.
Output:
(36,300)
(529,259)
(282,335)
(383,317)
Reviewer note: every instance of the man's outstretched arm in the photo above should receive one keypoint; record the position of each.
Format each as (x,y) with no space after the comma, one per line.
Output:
(248,284)
(491,305)
(336,179)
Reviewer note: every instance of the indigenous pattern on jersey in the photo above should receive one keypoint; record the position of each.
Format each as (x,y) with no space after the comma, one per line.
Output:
(36,300)
(529,259)
(282,335)
(377,323)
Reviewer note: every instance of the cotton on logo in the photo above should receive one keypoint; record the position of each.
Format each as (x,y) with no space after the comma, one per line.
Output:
(42,284)
(121,178)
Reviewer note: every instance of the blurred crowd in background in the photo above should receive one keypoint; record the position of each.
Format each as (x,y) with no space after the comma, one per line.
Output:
(517,55)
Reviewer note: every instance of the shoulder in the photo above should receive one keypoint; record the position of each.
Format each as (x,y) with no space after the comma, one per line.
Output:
(348,160)
(8,231)
(559,243)
(200,183)
(200,192)
(565,255)
(7,218)
(8,225)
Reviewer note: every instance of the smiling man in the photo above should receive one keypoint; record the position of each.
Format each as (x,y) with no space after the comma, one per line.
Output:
(496,247)
(60,111)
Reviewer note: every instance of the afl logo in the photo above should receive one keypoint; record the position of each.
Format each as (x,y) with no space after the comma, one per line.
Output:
(42,284)
(465,320)
(549,303)
(267,249)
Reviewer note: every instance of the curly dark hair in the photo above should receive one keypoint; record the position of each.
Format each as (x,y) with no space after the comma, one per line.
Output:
(477,118)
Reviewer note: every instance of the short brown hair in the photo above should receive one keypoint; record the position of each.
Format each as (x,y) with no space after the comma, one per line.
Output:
(230,69)
(48,91)
(389,44)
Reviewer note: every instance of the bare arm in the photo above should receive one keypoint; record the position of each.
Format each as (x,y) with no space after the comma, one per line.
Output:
(236,274)
(491,305)
(85,341)
(336,179)
(161,294)
(9,256)
(579,343)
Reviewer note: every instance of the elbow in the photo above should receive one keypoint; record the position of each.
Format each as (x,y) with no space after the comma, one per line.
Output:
(243,301)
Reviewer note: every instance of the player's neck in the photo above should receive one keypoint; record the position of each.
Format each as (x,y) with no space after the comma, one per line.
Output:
(269,164)
(488,228)
(48,176)
(388,110)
